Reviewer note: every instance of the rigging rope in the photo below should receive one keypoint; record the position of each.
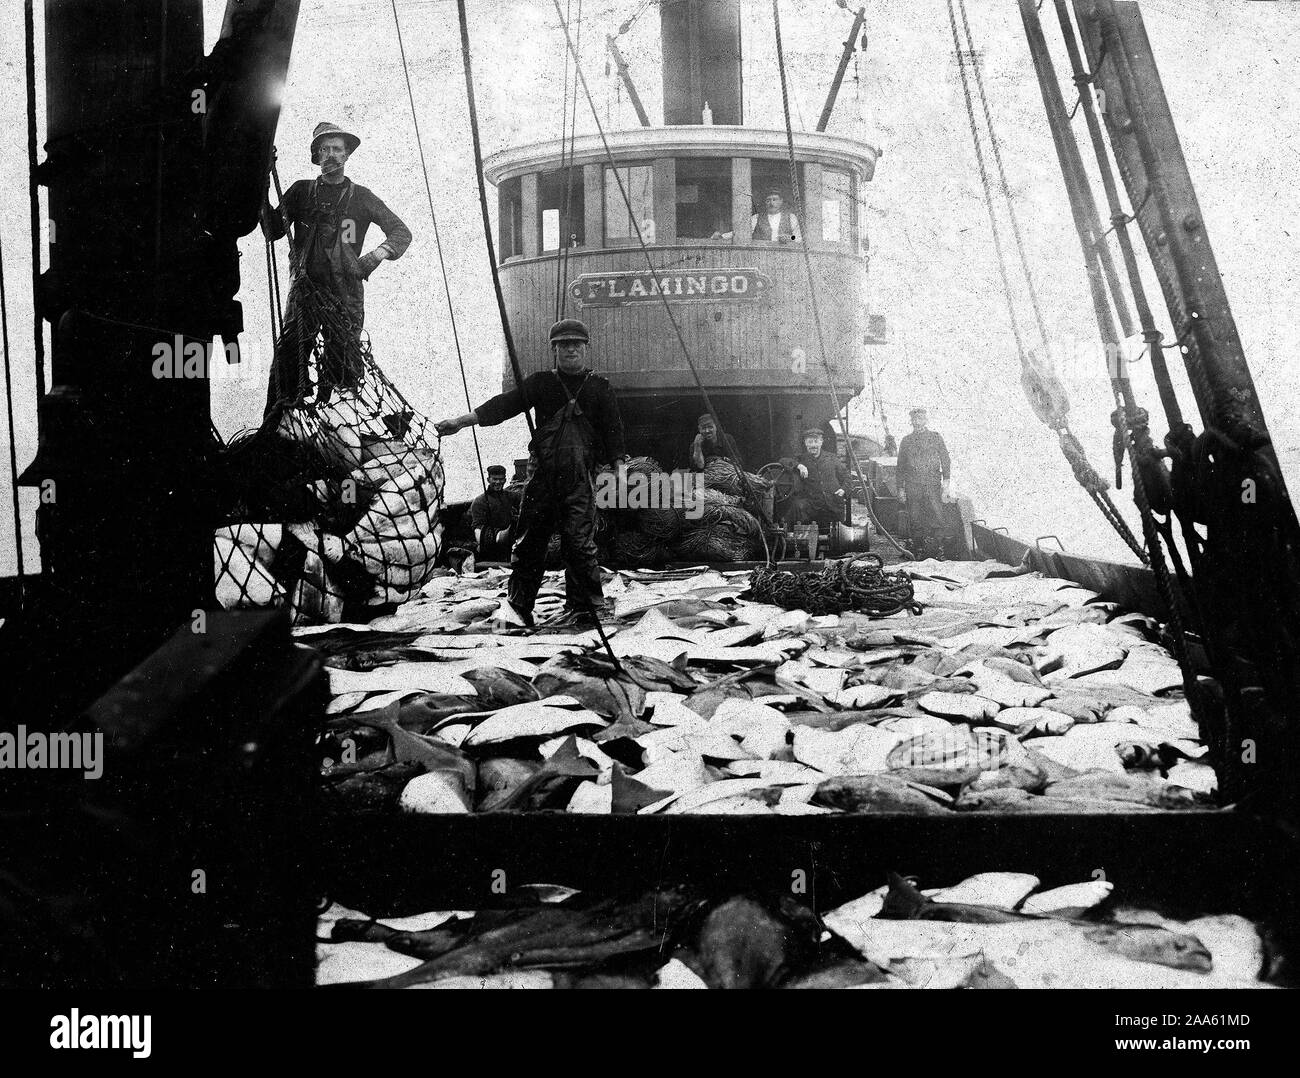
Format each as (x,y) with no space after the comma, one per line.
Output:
(496,276)
(34,199)
(13,434)
(840,413)
(437,239)
(561,298)
(1030,370)
(483,206)
(645,251)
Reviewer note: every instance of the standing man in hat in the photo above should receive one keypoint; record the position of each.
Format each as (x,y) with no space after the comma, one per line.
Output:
(577,426)
(823,481)
(923,475)
(330,216)
(492,516)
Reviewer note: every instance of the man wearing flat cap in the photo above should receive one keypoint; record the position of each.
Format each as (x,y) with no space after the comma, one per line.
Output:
(330,216)
(923,474)
(492,516)
(577,427)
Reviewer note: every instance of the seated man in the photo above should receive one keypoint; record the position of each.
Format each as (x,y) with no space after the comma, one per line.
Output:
(712,442)
(823,481)
(773,225)
(492,516)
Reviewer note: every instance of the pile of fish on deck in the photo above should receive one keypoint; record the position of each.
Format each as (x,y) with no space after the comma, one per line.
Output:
(993,930)
(1010,693)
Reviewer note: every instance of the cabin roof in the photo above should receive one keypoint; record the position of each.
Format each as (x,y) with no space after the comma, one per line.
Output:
(685,141)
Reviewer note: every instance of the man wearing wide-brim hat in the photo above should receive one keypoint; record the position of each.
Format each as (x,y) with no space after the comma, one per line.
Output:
(329,215)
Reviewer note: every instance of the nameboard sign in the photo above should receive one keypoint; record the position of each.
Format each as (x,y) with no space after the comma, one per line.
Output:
(720,285)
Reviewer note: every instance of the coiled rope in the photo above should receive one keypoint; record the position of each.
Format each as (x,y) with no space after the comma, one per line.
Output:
(860,584)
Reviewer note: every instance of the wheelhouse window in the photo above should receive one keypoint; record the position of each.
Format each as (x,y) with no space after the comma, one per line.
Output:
(510,217)
(771,177)
(838,218)
(703,197)
(560,209)
(638,183)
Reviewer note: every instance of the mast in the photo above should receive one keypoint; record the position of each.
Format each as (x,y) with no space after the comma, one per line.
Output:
(701,61)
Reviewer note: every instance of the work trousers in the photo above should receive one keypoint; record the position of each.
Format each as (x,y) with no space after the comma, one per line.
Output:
(925,508)
(312,310)
(556,499)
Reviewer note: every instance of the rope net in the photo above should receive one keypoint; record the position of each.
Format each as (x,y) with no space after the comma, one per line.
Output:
(359,465)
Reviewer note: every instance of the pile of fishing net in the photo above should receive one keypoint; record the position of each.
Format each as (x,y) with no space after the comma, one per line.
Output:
(636,550)
(723,476)
(722,532)
(662,524)
(367,494)
(859,584)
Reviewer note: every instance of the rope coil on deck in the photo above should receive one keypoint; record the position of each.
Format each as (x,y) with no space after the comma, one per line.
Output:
(860,584)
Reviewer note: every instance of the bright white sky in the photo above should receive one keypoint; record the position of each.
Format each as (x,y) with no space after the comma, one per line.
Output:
(1228,68)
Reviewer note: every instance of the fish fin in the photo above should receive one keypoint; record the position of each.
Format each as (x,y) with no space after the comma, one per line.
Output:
(903,902)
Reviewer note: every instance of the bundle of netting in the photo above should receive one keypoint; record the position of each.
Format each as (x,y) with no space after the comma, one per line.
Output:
(366,530)
(636,550)
(643,466)
(713,544)
(662,524)
(720,474)
(709,496)
(740,522)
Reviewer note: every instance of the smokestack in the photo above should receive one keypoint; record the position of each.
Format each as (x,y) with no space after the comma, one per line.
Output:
(701,46)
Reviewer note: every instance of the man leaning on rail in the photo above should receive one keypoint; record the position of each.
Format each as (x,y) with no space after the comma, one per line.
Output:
(577,426)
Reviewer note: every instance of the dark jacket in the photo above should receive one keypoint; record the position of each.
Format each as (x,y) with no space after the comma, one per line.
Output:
(922,458)
(359,205)
(493,510)
(826,475)
(544,393)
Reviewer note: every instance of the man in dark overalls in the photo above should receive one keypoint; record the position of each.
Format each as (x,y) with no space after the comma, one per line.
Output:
(923,473)
(577,427)
(330,216)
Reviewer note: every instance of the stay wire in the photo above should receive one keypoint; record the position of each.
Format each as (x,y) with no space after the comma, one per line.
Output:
(437,239)
(483,208)
(34,198)
(496,275)
(645,251)
(561,298)
(841,413)
(563,221)
(13,434)
(1002,179)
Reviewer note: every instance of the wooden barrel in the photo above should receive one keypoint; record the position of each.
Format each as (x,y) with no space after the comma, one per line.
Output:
(849,539)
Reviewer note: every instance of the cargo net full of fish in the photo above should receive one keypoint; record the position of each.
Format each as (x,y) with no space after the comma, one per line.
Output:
(860,584)
(990,930)
(1011,693)
(366,473)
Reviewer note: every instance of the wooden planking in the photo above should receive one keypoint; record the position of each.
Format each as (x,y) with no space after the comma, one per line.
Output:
(757,336)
